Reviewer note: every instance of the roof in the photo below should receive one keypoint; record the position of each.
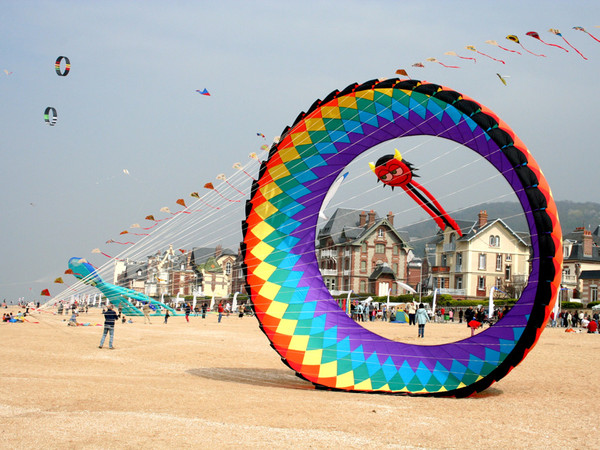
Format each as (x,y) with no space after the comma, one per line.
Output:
(576,253)
(470,230)
(382,269)
(590,275)
(577,235)
(344,225)
(202,254)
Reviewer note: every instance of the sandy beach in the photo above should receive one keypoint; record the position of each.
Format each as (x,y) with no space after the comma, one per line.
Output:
(208,385)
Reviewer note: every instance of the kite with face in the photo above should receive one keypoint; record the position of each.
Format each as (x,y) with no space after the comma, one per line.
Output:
(397,172)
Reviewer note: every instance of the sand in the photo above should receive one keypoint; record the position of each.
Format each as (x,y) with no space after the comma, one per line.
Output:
(204,384)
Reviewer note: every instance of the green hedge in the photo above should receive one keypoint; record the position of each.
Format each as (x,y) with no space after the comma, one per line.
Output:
(572,305)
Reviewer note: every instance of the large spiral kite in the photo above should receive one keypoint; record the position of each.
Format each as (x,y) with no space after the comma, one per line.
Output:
(306,327)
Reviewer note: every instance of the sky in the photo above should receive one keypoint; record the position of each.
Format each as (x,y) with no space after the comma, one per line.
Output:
(129,102)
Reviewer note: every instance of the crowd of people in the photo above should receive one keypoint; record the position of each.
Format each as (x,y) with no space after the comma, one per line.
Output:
(576,320)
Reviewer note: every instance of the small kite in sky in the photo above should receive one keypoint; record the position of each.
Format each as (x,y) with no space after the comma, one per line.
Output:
(473,49)
(45,293)
(575,28)
(59,72)
(253,156)
(261,135)
(492,42)
(503,78)
(222,177)
(238,166)
(97,250)
(50,116)
(452,53)
(203,92)
(264,147)
(393,171)
(135,234)
(558,33)
(418,64)
(535,35)
(110,241)
(402,72)
(126,172)
(8,73)
(213,188)
(441,63)
(196,195)
(515,39)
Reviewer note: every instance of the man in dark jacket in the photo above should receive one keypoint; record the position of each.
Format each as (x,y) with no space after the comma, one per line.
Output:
(110,316)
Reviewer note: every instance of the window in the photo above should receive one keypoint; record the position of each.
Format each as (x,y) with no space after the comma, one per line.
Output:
(379,248)
(481,283)
(499,263)
(444,260)
(593,293)
(363,286)
(508,258)
(494,241)
(507,273)
(458,283)
(498,282)
(363,266)
(459,259)
(228,268)
(482,261)
(347,264)
(380,233)
(395,250)
(363,247)
(395,268)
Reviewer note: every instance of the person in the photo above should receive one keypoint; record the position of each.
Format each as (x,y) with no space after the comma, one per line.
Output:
(146,311)
(422,318)
(220,310)
(110,316)
(241,311)
(204,306)
(188,310)
(166,316)
(592,326)
(411,313)
(73,320)
(228,308)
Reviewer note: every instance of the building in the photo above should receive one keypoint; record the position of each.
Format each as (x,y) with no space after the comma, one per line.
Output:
(214,269)
(581,255)
(488,254)
(361,252)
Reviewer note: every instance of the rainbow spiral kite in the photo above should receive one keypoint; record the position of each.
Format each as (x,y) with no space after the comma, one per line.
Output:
(306,327)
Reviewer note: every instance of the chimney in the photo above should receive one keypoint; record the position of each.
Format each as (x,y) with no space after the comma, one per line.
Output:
(390,218)
(218,251)
(363,219)
(482,219)
(371,218)
(587,243)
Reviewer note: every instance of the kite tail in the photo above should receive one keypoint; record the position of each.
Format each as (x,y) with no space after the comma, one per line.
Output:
(529,51)
(225,198)
(233,187)
(569,44)
(509,50)
(592,36)
(491,57)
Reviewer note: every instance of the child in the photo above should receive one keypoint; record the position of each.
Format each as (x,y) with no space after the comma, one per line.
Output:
(166,316)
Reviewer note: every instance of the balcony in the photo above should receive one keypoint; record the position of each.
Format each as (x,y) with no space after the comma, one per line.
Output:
(346,272)
(329,272)
(440,269)
(450,247)
(328,254)
(458,268)
(453,292)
